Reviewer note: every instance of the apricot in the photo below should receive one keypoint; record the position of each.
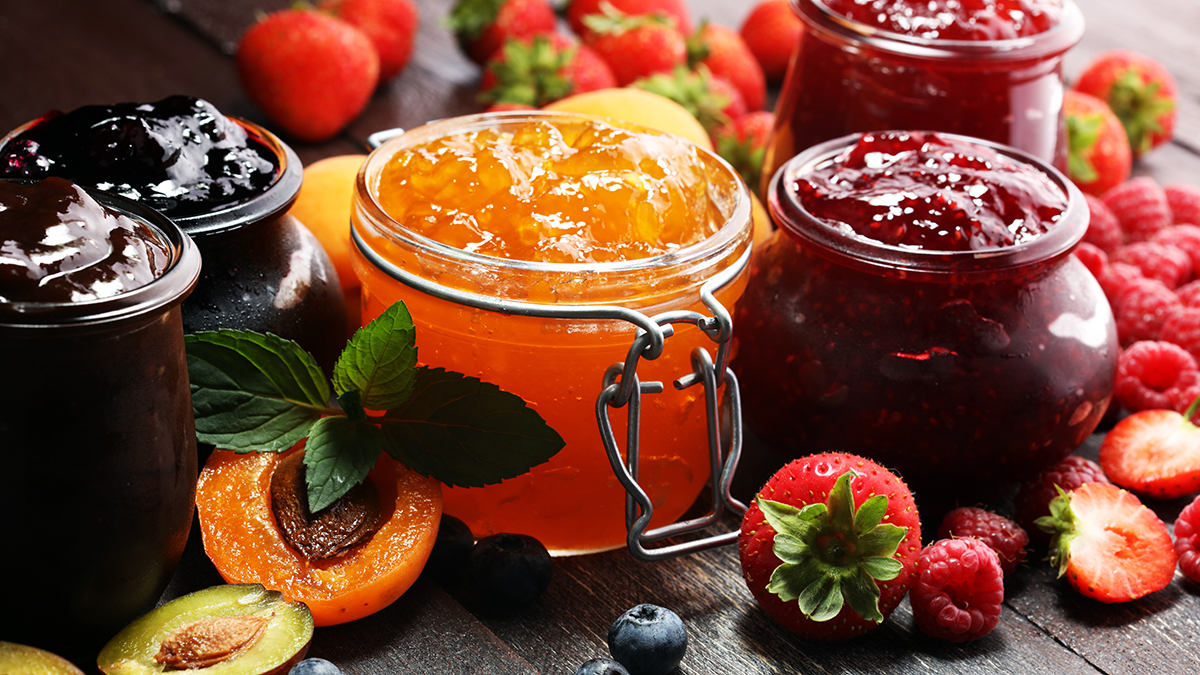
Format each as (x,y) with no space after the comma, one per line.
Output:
(244,542)
(640,107)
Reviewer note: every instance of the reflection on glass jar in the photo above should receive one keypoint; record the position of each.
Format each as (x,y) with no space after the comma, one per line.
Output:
(967,366)
(999,85)
(96,428)
(573,503)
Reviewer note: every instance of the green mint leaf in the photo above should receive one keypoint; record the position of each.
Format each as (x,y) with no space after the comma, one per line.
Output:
(252,391)
(379,360)
(466,432)
(339,454)
(351,403)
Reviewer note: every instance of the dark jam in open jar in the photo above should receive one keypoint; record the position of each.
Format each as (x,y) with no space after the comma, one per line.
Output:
(990,69)
(919,306)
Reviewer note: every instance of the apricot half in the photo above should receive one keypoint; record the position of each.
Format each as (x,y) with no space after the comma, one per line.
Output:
(241,629)
(244,542)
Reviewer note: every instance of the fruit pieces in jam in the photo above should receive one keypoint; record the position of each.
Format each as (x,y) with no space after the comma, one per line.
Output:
(179,155)
(931,192)
(954,19)
(570,192)
(58,244)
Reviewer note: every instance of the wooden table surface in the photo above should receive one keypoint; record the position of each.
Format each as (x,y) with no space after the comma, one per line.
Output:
(66,53)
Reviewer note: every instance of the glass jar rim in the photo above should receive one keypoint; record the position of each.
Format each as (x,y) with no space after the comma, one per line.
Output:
(734,231)
(886,259)
(1056,40)
(170,287)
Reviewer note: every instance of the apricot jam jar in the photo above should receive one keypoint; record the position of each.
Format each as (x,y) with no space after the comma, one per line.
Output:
(991,69)
(228,183)
(920,306)
(531,212)
(96,428)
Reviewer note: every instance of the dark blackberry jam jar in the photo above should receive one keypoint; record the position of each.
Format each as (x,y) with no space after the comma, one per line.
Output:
(919,305)
(227,183)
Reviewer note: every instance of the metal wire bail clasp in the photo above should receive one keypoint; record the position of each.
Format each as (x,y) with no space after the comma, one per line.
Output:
(622,388)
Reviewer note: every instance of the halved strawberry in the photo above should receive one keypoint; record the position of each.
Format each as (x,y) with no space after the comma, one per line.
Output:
(1156,452)
(829,547)
(1109,546)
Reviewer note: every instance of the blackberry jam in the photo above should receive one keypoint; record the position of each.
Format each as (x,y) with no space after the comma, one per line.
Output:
(228,184)
(919,305)
(991,69)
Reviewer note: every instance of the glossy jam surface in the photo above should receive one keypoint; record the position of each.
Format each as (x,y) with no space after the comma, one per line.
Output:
(179,155)
(571,192)
(945,65)
(572,503)
(931,192)
(954,19)
(58,244)
(964,383)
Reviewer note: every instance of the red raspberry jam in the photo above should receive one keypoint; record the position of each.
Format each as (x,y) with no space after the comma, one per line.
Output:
(964,367)
(990,69)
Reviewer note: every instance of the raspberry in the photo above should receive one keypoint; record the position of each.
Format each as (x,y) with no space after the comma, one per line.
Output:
(1093,257)
(1035,494)
(1168,264)
(1004,536)
(1186,390)
(1189,294)
(1187,540)
(1116,279)
(1183,328)
(959,590)
(1148,371)
(1103,230)
(1140,206)
(1142,308)
(1185,238)
(1184,201)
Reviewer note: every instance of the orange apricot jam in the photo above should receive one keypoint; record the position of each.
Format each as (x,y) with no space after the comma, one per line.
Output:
(556,210)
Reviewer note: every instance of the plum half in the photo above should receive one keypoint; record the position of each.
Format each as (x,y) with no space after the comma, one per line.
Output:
(237,629)
(24,660)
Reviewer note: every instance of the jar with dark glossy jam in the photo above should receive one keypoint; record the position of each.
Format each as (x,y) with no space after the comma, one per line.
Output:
(991,69)
(919,305)
(228,183)
(96,431)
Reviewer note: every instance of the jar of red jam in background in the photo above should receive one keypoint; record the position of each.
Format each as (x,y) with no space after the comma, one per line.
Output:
(96,428)
(991,69)
(537,210)
(919,305)
(228,183)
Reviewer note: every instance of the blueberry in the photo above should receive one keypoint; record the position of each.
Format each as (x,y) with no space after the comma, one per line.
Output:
(601,667)
(314,667)
(648,640)
(451,550)
(510,569)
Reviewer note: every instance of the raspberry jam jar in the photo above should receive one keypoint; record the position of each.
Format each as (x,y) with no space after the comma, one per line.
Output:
(529,213)
(991,69)
(228,183)
(919,305)
(96,427)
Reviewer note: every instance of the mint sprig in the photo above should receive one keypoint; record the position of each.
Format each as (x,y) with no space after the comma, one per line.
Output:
(260,393)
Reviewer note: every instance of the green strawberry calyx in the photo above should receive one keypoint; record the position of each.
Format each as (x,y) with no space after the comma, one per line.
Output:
(1083,132)
(469,18)
(612,21)
(832,553)
(1063,528)
(691,89)
(1141,107)
(530,74)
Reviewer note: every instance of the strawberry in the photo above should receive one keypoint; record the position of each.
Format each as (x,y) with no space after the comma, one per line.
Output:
(771,31)
(676,11)
(722,50)
(391,25)
(1035,494)
(1155,452)
(1099,156)
(635,46)
(711,100)
(539,70)
(830,545)
(744,143)
(1141,93)
(483,26)
(1109,546)
(311,73)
